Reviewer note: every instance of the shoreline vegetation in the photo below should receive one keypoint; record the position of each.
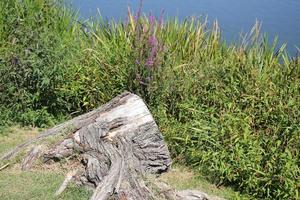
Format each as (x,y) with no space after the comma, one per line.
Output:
(230,112)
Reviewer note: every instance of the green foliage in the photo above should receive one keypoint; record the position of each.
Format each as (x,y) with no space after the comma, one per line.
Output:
(230,111)
(36,50)
(236,122)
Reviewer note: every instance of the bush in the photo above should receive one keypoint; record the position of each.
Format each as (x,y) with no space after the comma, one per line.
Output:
(35,43)
(240,132)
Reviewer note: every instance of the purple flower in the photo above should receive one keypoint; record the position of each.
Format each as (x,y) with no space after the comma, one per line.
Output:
(145,28)
(149,62)
(161,18)
(151,22)
(151,57)
(153,40)
(126,22)
(138,14)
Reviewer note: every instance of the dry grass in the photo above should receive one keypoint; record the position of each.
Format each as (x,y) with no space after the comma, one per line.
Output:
(183,178)
(15,135)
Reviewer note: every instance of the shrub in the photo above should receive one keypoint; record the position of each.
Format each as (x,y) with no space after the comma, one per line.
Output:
(37,44)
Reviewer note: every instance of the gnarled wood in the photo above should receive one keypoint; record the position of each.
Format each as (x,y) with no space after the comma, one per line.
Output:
(31,157)
(118,145)
(71,125)
(64,185)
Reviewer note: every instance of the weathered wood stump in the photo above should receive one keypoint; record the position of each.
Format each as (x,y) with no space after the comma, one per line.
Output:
(118,145)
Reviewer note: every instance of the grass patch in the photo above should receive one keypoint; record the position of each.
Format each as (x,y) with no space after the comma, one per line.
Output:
(36,185)
(183,178)
(43,181)
(12,136)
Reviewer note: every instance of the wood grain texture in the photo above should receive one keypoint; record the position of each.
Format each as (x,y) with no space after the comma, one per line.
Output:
(118,145)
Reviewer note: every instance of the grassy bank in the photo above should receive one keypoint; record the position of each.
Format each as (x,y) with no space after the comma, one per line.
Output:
(232,112)
(17,184)
(20,185)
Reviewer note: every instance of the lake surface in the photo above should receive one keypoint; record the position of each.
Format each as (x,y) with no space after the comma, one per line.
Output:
(279,17)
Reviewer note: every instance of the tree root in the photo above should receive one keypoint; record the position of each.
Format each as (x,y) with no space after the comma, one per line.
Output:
(118,144)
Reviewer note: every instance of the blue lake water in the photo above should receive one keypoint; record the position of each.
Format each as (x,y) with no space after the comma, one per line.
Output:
(279,17)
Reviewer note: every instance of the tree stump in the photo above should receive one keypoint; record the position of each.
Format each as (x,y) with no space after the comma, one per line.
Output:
(118,145)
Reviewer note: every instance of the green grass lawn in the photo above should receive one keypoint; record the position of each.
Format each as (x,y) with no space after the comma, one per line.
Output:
(36,185)
(42,183)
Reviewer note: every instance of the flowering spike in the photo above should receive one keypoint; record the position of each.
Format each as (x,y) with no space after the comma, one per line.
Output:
(139,11)
(151,19)
(161,18)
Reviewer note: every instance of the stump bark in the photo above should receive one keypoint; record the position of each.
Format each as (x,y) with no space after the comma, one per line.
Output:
(118,145)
